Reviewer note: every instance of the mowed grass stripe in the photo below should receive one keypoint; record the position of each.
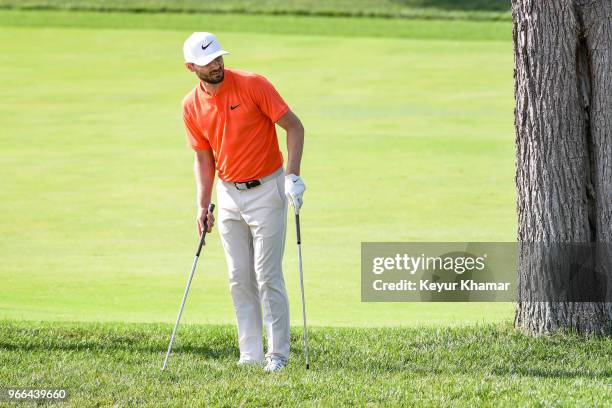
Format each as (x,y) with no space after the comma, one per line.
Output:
(447,9)
(487,365)
(288,24)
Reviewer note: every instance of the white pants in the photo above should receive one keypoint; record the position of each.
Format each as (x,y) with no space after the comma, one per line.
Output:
(252,224)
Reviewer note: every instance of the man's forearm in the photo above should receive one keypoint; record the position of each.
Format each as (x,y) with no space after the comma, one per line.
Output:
(204,170)
(295,146)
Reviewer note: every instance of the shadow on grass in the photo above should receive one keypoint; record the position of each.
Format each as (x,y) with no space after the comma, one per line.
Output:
(523,372)
(554,373)
(479,350)
(459,5)
(472,351)
(214,343)
(202,350)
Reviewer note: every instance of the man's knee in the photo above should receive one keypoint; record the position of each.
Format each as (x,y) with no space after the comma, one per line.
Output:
(271,282)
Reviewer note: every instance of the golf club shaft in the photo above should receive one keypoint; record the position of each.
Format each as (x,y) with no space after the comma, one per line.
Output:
(211,207)
(178,319)
(299,244)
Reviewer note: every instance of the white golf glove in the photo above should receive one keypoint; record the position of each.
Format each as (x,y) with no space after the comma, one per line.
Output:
(294,190)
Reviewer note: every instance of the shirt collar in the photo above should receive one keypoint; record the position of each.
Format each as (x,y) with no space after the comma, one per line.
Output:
(224,85)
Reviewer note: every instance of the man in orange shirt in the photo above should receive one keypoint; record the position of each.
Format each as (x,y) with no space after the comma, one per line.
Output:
(230,119)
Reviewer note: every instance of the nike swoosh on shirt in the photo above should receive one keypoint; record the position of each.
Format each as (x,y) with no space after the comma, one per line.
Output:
(234,107)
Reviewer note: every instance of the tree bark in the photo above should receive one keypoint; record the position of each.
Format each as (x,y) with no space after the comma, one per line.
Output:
(563,124)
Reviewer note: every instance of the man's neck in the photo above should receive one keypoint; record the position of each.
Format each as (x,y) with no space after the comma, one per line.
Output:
(211,89)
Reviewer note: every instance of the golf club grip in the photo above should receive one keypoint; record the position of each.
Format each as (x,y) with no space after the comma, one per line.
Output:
(211,208)
(297,228)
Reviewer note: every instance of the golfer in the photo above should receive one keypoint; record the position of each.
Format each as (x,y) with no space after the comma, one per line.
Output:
(230,119)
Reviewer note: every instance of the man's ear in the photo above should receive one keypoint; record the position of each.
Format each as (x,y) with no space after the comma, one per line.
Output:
(189,66)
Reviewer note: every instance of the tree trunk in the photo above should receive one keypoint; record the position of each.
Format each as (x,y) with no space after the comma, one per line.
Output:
(563,124)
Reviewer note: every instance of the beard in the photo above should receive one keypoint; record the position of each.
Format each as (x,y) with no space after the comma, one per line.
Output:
(213,78)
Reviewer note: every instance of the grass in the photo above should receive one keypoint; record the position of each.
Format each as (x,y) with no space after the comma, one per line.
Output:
(489,365)
(412,143)
(430,9)
(265,24)
(409,138)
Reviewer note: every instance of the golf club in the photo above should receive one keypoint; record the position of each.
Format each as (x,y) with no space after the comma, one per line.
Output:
(211,208)
(299,245)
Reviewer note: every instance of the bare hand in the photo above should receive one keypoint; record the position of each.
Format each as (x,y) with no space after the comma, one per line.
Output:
(204,215)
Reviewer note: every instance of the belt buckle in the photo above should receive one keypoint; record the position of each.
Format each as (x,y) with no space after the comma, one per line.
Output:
(253,183)
(247,184)
(237,185)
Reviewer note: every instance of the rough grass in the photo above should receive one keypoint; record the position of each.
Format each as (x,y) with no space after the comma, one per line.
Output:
(490,365)
(429,9)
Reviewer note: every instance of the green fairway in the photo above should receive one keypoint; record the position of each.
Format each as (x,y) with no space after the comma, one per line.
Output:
(491,365)
(407,139)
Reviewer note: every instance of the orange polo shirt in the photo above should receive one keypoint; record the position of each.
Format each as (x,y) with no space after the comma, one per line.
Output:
(237,124)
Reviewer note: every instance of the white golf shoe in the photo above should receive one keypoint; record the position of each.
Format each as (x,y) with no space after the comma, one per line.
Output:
(274,364)
(248,362)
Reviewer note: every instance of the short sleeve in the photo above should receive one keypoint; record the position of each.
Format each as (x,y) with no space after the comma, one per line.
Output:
(269,100)
(195,138)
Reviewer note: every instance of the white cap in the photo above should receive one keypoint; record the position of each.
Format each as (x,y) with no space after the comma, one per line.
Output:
(202,48)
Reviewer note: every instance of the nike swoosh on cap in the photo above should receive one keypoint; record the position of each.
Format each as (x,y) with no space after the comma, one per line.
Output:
(206,46)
